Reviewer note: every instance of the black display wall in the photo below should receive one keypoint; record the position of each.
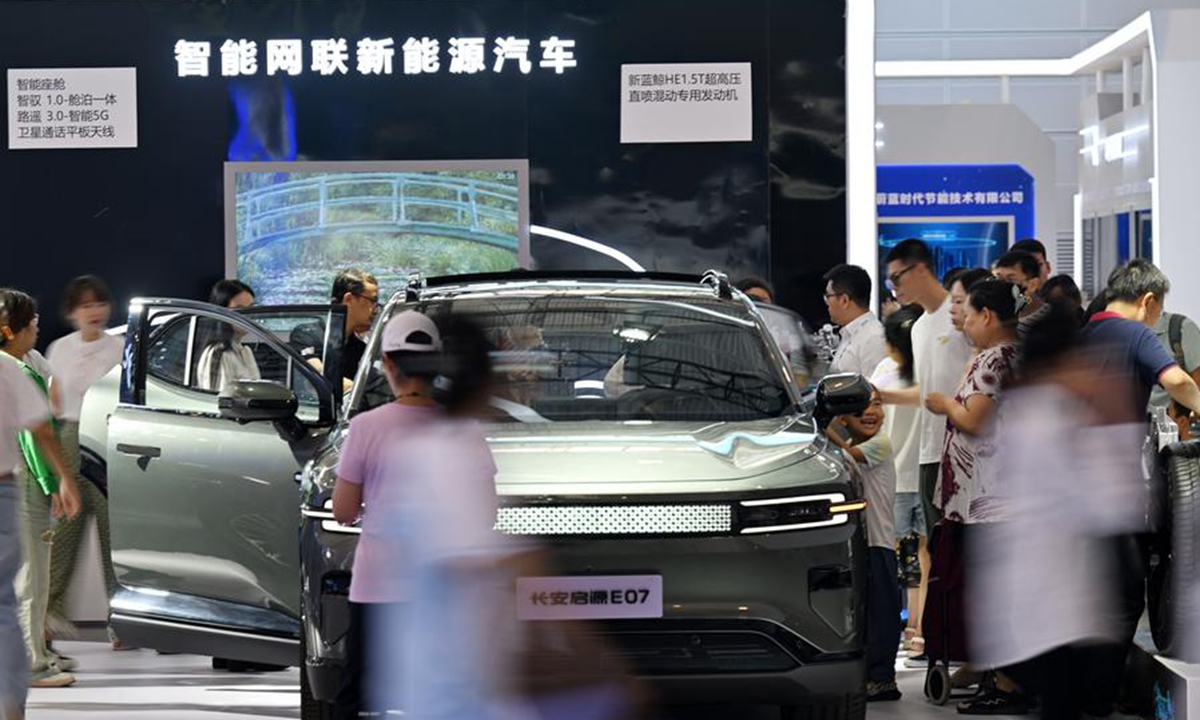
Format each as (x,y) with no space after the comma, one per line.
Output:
(151,219)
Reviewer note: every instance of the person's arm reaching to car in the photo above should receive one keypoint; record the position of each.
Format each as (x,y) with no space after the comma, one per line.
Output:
(909,396)
(1181,387)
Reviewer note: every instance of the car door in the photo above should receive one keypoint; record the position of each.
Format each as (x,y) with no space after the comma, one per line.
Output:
(204,509)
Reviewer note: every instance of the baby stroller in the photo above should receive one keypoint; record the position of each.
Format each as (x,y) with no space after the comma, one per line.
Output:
(944,621)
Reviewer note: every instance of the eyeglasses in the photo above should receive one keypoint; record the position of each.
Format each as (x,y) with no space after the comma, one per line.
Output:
(894,279)
(373,300)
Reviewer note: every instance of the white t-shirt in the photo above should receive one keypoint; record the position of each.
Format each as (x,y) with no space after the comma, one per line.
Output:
(902,425)
(22,407)
(77,365)
(940,358)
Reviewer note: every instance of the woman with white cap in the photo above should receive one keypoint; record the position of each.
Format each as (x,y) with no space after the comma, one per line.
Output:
(411,347)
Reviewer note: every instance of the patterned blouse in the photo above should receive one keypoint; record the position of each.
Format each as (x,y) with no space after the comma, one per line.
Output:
(967,459)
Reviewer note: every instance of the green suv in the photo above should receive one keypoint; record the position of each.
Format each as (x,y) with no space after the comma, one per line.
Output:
(650,433)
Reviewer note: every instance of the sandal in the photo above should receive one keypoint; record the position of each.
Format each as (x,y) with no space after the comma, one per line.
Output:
(916,646)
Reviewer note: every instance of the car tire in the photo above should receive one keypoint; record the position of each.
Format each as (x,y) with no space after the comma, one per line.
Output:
(1172,581)
(310,707)
(849,707)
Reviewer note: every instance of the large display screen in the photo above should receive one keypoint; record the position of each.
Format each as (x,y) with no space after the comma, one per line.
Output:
(291,227)
(955,243)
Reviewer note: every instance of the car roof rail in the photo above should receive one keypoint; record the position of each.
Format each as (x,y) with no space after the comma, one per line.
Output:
(550,275)
(719,282)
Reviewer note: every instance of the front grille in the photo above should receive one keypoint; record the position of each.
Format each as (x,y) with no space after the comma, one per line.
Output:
(591,520)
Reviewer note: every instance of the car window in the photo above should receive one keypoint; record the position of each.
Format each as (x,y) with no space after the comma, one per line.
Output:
(201,357)
(572,357)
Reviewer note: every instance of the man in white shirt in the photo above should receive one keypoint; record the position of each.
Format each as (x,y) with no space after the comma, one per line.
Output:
(940,356)
(848,297)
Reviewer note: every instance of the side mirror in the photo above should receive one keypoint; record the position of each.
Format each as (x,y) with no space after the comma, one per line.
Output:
(847,394)
(257,401)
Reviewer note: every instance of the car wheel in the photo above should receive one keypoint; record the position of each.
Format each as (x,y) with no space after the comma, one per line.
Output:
(849,707)
(310,707)
(1172,581)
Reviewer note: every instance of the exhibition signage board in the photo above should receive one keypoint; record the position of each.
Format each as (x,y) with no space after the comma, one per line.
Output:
(374,56)
(72,108)
(952,191)
(686,102)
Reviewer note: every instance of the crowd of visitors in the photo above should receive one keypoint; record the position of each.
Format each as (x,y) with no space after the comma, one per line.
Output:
(981,377)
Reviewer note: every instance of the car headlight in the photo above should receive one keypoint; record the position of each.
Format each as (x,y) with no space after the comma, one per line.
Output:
(795,513)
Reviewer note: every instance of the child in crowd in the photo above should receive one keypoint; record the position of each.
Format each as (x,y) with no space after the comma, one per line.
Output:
(78,361)
(871,448)
(48,489)
(902,427)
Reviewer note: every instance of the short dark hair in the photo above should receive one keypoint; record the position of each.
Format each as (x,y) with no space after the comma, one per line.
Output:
(78,289)
(20,310)
(1134,279)
(952,275)
(852,281)
(747,284)
(897,330)
(353,281)
(911,251)
(1033,246)
(1022,261)
(1064,284)
(997,296)
(970,278)
(226,290)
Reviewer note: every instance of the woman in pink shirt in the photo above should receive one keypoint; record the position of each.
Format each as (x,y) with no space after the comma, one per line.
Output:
(411,347)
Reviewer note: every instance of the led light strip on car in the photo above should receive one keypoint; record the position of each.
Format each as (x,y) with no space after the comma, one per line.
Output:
(833,505)
(328,523)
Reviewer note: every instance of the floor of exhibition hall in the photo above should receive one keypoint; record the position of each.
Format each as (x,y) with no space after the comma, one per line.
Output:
(142,683)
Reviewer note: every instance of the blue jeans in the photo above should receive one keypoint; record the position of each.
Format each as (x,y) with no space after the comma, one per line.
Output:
(14,672)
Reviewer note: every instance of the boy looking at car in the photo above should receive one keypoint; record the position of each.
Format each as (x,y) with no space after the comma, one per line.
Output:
(862,438)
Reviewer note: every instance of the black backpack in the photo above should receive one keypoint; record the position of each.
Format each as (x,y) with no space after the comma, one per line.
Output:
(1175,337)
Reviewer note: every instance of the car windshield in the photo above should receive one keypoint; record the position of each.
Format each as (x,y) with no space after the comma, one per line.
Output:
(574,357)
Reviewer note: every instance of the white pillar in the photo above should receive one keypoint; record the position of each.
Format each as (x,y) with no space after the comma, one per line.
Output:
(1126,83)
(861,243)
(1099,81)
(1006,89)
(1147,77)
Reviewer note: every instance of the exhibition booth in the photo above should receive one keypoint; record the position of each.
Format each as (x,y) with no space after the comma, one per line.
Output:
(588,184)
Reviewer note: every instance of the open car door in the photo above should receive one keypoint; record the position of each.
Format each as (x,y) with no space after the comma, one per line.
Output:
(218,413)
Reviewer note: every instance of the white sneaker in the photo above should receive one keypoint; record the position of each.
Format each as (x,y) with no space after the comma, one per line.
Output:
(63,663)
(51,677)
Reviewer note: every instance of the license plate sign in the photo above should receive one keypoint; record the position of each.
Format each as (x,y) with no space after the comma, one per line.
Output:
(605,597)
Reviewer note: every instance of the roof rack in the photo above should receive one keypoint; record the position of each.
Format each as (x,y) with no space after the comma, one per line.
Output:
(535,275)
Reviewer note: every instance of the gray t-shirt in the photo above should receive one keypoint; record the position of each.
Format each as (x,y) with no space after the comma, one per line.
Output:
(879,490)
(1191,352)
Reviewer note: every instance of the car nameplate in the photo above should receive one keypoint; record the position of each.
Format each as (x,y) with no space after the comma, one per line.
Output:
(590,597)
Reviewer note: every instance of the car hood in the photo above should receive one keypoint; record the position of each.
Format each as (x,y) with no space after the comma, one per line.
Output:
(554,455)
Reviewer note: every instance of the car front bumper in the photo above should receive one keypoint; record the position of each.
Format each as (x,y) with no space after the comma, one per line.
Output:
(773,618)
